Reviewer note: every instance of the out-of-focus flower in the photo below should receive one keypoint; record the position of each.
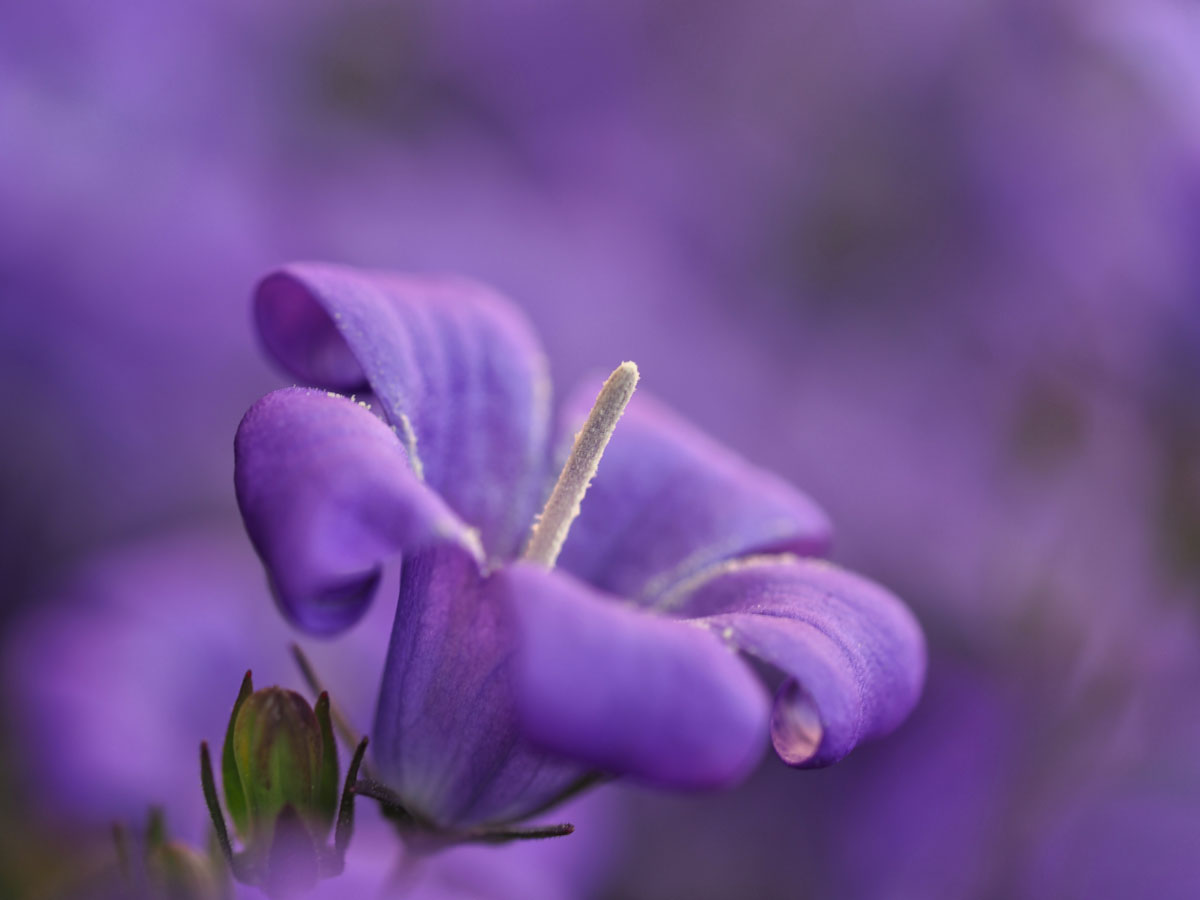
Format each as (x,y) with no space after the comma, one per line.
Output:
(464,734)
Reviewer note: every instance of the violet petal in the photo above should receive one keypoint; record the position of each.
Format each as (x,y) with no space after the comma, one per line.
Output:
(668,502)
(446,734)
(853,653)
(627,691)
(326,493)
(456,369)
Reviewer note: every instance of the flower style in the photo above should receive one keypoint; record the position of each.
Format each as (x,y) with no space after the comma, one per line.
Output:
(512,678)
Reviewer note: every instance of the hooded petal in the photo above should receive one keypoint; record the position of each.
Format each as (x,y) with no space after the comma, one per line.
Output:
(327,495)
(446,732)
(456,369)
(667,502)
(853,653)
(628,691)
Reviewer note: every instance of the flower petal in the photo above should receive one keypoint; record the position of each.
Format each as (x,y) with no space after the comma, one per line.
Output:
(327,495)
(668,502)
(456,368)
(446,732)
(628,691)
(854,654)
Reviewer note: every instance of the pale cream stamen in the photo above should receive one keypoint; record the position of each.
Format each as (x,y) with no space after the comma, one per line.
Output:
(550,529)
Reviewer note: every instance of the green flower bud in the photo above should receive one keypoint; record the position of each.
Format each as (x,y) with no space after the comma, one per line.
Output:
(280,769)
(283,755)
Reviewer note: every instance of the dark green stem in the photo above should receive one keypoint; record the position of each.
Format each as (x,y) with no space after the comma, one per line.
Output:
(345,820)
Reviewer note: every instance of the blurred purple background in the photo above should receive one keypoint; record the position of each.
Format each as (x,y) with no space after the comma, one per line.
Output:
(938,263)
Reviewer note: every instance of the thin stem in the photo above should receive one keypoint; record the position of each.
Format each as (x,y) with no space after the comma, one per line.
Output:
(528,833)
(421,837)
(550,530)
(376,790)
(345,819)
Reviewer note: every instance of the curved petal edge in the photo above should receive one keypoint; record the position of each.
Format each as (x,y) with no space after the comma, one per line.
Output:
(627,691)
(327,495)
(854,655)
(456,369)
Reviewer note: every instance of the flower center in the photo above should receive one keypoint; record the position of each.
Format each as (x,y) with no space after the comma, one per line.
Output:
(551,527)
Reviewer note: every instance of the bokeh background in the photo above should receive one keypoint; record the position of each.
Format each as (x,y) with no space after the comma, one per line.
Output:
(937,262)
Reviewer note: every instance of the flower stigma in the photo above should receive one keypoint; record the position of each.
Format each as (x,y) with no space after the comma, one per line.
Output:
(551,527)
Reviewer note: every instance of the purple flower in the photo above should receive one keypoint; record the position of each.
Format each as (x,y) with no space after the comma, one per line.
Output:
(508,681)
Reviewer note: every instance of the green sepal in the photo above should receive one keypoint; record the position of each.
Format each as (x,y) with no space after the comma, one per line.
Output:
(235,792)
(156,828)
(345,823)
(326,799)
(220,865)
(209,787)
